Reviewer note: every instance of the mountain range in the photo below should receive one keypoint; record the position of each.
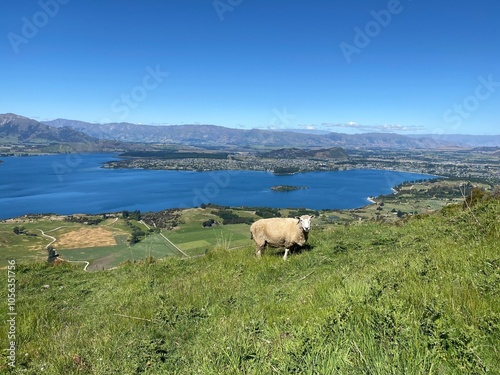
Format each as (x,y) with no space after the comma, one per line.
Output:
(17,129)
(20,130)
(217,136)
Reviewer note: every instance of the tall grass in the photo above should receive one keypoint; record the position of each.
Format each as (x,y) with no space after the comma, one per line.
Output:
(422,297)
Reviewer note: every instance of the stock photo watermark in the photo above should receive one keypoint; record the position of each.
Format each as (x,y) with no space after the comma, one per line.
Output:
(364,36)
(461,111)
(223,6)
(31,25)
(131,100)
(11,313)
(281,118)
(71,162)
(123,106)
(212,189)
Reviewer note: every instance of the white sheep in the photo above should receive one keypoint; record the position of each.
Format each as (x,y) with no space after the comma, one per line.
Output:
(280,232)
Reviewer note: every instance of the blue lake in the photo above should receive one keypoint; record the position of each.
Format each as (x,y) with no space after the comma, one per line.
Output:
(66,184)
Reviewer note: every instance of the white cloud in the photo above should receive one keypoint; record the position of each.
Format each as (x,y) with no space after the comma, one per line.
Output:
(374,128)
(309,127)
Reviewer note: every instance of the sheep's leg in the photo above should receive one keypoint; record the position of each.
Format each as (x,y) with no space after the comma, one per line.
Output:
(259,250)
(286,253)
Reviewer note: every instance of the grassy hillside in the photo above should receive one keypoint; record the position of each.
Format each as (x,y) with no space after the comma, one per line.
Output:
(421,297)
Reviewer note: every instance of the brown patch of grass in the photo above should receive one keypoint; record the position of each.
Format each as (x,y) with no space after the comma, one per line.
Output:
(86,237)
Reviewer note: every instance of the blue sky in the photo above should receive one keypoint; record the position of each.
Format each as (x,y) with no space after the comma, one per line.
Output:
(404,66)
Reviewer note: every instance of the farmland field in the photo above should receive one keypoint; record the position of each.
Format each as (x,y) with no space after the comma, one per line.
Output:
(106,245)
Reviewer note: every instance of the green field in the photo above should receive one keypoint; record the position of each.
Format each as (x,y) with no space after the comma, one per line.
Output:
(198,240)
(191,239)
(111,256)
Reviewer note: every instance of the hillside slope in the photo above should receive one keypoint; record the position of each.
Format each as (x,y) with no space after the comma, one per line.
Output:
(24,132)
(421,297)
(19,129)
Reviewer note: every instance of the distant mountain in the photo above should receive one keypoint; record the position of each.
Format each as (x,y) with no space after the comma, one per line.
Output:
(466,140)
(305,131)
(19,129)
(217,136)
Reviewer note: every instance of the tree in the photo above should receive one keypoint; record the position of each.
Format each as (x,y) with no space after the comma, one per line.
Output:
(18,230)
(475,196)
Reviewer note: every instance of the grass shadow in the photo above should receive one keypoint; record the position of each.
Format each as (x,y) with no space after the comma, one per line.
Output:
(295,250)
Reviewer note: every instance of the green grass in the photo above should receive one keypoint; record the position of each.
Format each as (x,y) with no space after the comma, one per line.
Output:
(194,239)
(236,234)
(420,297)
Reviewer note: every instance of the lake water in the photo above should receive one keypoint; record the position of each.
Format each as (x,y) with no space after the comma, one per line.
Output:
(66,184)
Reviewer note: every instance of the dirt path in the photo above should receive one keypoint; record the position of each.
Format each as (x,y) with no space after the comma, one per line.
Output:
(46,235)
(79,261)
(54,240)
(143,223)
(171,243)
(107,225)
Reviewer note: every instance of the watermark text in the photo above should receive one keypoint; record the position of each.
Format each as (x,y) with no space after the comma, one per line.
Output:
(11,313)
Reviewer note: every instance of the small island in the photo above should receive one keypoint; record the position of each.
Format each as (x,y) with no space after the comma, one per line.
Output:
(288,188)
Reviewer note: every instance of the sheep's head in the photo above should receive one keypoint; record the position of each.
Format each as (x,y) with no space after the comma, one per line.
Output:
(305,222)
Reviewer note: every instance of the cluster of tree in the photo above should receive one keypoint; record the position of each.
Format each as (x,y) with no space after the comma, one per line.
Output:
(136,233)
(229,217)
(267,212)
(19,230)
(167,219)
(213,205)
(303,211)
(209,223)
(398,213)
(134,215)
(22,230)
(88,220)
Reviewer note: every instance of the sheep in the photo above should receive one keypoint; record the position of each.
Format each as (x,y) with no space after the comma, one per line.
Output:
(278,232)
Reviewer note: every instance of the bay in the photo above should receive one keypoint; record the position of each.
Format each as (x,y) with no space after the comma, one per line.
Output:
(76,183)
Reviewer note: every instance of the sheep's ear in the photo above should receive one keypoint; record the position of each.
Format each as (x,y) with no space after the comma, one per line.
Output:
(312,217)
(298,218)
